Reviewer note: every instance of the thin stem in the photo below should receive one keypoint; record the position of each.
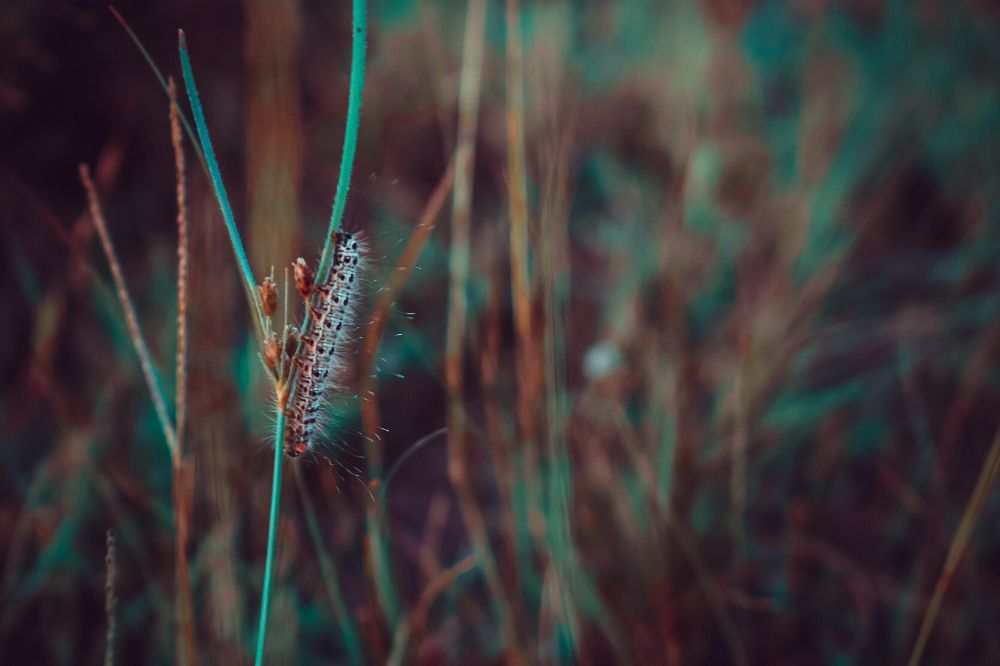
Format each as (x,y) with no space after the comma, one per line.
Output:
(163,82)
(383,488)
(180,415)
(131,318)
(409,632)
(348,633)
(458,264)
(272,530)
(181,471)
(528,361)
(110,599)
(284,330)
(528,365)
(182,489)
(973,509)
(220,189)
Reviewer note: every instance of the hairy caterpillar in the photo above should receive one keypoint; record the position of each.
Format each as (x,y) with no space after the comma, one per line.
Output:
(331,307)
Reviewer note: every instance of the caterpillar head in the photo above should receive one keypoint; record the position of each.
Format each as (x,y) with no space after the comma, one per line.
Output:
(294,447)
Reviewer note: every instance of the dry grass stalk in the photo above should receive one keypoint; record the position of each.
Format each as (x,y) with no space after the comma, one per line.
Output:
(500,440)
(528,360)
(973,509)
(406,642)
(528,367)
(131,319)
(183,478)
(182,267)
(110,599)
(468,115)
(45,213)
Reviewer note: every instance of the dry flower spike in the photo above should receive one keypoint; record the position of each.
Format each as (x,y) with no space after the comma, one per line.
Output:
(268,296)
(304,277)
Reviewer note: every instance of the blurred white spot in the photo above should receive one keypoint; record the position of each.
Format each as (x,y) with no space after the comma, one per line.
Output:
(601,359)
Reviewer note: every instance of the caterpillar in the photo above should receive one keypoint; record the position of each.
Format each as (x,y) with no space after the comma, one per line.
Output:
(332,306)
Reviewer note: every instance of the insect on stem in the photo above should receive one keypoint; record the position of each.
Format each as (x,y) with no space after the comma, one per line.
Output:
(332,305)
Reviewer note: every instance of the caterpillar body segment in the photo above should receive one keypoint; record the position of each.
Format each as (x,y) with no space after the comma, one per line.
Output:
(320,361)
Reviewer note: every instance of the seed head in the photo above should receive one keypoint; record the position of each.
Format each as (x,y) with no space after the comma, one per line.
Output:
(291,341)
(304,277)
(271,351)
(268,296)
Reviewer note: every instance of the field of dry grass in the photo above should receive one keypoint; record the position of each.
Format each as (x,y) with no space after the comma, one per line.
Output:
(677,338)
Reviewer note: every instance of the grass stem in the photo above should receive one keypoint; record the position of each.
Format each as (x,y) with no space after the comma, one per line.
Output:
(359,32)
(458,474)
(973,509)
(528,366)
(359,41)
(110,599)
(180,410)
(348,632)
(183,480)
(272,531)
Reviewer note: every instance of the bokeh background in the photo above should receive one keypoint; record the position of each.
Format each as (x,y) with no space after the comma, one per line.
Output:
(735,413)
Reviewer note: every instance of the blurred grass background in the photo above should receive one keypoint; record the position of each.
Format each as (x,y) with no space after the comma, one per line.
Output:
(733,413)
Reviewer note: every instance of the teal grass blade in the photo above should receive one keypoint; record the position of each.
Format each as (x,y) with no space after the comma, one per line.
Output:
(216,177)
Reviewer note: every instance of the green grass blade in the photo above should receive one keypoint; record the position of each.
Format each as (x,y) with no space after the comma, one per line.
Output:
(359,33)
(216,178)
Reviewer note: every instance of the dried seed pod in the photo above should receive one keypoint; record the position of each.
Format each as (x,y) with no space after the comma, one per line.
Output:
(304,277)
(271,351)
(268,296)
(291,341)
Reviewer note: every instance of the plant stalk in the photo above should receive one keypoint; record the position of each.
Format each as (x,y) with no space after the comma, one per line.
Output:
(272,530)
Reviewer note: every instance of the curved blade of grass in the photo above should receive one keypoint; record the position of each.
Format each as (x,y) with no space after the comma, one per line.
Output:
(469,87)
(383,489)
(220,189)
